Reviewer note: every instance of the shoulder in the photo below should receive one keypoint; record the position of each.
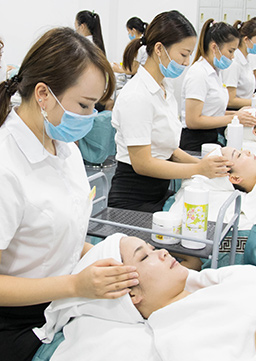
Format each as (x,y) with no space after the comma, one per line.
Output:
(197,72)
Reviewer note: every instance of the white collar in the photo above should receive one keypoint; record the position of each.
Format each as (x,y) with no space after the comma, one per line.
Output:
(239,56)
(29,144)
(152,84)
(148,80)
(208,67)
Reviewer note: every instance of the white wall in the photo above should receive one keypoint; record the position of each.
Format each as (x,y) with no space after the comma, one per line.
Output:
(23,21)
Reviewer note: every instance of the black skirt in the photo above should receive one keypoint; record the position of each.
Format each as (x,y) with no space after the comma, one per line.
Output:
(192,139)
(17,340)
(130,190)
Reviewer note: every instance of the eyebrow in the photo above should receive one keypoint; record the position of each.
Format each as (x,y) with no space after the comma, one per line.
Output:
(92,99)
(188,50)
(137,250)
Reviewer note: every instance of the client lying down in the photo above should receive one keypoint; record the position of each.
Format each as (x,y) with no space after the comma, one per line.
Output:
(173,314)
(242,176)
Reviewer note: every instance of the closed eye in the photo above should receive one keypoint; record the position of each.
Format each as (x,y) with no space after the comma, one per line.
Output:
(143,258)
(83,106)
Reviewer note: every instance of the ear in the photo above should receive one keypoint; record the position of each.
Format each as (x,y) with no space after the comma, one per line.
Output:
(235,179)
(213,46)
(158,48)
(245,38)
(136,295)
(42,93)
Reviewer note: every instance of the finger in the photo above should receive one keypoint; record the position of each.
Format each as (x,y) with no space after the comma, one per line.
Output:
(112,262)
(116,294)
(117,286)
(119,275)
(111,280)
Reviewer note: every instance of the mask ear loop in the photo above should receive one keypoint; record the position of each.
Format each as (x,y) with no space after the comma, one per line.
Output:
(166,54)
(57,100)
(45,115)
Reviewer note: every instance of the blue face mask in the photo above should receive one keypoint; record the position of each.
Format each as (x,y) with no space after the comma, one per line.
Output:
(223,63)
(173,69)
(253,50)
(131,37)
(72,126)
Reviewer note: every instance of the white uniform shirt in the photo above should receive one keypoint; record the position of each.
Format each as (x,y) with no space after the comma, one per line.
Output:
(204,83)
(239,75)
(142,116)
(142,55)
(44,204)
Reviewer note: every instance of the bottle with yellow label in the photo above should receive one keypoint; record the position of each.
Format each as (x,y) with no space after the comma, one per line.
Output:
(195,212)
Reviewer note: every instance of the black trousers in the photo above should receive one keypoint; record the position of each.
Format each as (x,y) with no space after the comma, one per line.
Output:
(17,340)
(130,190)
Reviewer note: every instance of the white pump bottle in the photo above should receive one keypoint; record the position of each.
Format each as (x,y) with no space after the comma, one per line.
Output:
(235,132)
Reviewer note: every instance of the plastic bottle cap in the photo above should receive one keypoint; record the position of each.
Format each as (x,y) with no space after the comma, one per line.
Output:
(235,120)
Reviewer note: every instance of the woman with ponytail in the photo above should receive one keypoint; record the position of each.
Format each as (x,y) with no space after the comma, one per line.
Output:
(145,116)
(45,200)
(87,23)
(204,97)
(136,29)
(239,78)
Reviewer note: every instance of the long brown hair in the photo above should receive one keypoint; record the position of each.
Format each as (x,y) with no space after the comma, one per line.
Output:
(57,59)
(169,28)
(220,33)
(92,21)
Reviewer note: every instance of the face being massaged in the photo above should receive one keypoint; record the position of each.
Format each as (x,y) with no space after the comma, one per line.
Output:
(162,278)
(243,171)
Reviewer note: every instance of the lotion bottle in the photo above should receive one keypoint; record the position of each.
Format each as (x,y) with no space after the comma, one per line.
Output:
(235,134)
(195,212)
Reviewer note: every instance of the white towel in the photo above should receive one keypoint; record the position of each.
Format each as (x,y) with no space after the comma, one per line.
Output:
(121,309)
(101,329)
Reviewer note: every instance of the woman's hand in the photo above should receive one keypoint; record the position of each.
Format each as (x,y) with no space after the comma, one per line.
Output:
(117,68)
(214,166)
(246,118)
(105,279)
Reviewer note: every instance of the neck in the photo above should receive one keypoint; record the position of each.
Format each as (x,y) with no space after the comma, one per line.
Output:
(243,49)
(32,117)
(209,59)
(147,311)
(152,66)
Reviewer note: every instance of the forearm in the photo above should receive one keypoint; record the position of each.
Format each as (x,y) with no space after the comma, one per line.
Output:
(180,156)
(238,103)
(205,122)
(164,169)
(17,291)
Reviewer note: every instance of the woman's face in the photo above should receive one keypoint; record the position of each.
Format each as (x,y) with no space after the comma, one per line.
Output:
(179,52)
(244,161)
(81,97)
(161,277)
(250,42)
(227,49)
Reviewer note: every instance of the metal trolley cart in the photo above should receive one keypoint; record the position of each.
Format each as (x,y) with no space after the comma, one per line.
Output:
(107,221)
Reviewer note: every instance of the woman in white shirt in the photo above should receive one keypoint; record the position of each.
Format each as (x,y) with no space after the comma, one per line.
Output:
(136,29)
(145,116)
(45,200)
(204,97)
(239,77)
